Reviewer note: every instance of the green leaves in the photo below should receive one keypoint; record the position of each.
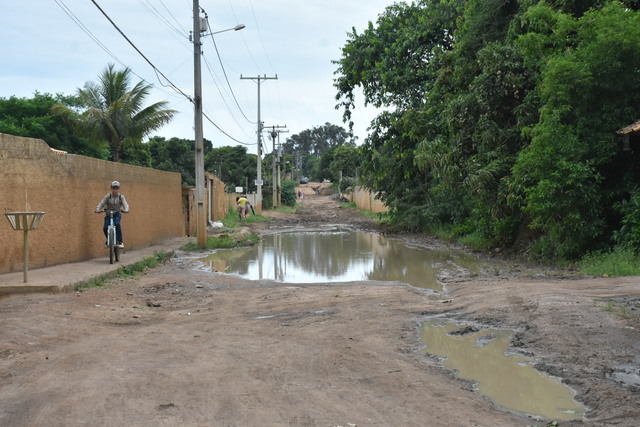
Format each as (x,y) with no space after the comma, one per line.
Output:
(113,112)
(501,115)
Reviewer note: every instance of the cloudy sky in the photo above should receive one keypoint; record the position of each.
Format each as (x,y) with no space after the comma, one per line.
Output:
(55,46)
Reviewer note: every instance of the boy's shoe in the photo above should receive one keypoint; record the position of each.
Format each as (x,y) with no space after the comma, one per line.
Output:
(120,245)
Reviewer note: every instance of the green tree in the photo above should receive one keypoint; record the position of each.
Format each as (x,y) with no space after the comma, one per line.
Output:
(306,148)
(499,118)
(111,111)
(31,117)
(572,175)
(234,166)
(176,155)
(346,160)
(396,63)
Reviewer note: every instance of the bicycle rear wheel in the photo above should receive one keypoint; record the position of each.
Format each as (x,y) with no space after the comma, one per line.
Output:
(112,244)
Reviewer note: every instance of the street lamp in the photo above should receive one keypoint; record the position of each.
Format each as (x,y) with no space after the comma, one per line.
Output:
(201,226)
(236,28)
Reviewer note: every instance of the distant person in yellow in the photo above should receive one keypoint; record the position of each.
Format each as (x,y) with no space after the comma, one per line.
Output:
(243,206)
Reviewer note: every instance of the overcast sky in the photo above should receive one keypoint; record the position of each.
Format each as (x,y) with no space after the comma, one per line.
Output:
(55,46)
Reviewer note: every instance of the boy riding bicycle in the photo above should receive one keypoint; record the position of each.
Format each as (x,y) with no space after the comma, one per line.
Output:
(114,201)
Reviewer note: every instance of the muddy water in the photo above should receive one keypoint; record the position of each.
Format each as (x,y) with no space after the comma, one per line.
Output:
(509,381)
(339,256)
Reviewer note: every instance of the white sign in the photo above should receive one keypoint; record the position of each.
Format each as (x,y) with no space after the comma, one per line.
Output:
(239,190)
(259,182)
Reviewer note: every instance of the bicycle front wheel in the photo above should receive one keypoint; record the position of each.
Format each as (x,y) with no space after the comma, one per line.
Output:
(112,244)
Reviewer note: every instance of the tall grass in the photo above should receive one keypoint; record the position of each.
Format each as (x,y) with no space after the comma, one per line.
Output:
(620,262)
(232,219)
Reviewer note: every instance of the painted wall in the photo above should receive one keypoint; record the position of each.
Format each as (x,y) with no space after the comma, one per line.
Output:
(33,177)
(364,199)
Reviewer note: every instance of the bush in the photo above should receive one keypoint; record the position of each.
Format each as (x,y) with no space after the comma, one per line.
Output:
(289,193)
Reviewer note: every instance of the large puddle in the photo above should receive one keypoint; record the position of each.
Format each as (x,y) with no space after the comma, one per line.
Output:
(342,256)
(508,380)
(339,256)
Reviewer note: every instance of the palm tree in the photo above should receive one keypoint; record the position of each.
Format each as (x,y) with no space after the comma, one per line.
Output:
(114,113)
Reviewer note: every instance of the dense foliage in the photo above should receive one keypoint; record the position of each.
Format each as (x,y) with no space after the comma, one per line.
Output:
(32,118)
(312,152)
(500,117)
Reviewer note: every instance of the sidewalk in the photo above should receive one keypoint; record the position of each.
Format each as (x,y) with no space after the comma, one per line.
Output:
(65,277)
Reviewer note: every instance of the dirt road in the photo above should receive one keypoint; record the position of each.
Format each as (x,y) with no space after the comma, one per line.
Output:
(183,347)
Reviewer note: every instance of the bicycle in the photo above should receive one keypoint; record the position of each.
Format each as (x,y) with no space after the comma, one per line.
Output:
(114,250)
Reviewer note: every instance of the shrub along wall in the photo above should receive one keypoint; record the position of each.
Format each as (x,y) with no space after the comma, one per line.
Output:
(33,177)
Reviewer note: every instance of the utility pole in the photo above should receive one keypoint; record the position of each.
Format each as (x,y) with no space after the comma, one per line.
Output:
(201,224)
(201,229)
(280,167)
(258,79)
(274,134)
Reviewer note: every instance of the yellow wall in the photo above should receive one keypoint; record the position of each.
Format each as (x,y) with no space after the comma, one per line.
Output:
(364,199)
(68,187)
(215,198)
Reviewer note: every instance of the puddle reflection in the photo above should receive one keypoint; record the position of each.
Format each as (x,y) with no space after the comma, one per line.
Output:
(506,380)
(339,256)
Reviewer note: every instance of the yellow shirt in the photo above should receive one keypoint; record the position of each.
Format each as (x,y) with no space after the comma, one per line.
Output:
(242,201)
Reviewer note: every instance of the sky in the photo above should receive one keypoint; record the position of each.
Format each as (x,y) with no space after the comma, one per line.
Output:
(56,46)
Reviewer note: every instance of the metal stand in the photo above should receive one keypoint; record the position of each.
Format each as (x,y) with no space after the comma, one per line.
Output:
(25,221)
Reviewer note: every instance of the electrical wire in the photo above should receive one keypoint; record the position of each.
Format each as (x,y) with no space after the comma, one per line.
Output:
(225,72)
(225,133)
(157,71)
(260,34)
(158,16)
(86,30)
(221,94)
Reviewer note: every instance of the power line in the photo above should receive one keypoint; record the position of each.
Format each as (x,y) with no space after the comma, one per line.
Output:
(88,32)
(260,34)
(153,11)
(78,22)
(176,88)
(225,133)
(220,92)
(225,73)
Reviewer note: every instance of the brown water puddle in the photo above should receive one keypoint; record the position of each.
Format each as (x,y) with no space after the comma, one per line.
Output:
(509,381)
(339,256)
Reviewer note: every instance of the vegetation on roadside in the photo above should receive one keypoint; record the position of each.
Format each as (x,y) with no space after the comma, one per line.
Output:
(232,219)
(498,120)
(223,241)
(158,258)
(621,261)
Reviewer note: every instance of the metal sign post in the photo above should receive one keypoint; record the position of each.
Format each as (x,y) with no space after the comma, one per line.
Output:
(25,221)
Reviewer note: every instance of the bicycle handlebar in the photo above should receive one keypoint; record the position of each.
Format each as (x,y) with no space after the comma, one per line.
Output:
(110,211)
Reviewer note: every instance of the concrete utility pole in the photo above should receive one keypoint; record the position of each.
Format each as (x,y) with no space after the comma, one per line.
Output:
(280,167)
(275,134)
(201,228)
(201,223)
(258,79)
